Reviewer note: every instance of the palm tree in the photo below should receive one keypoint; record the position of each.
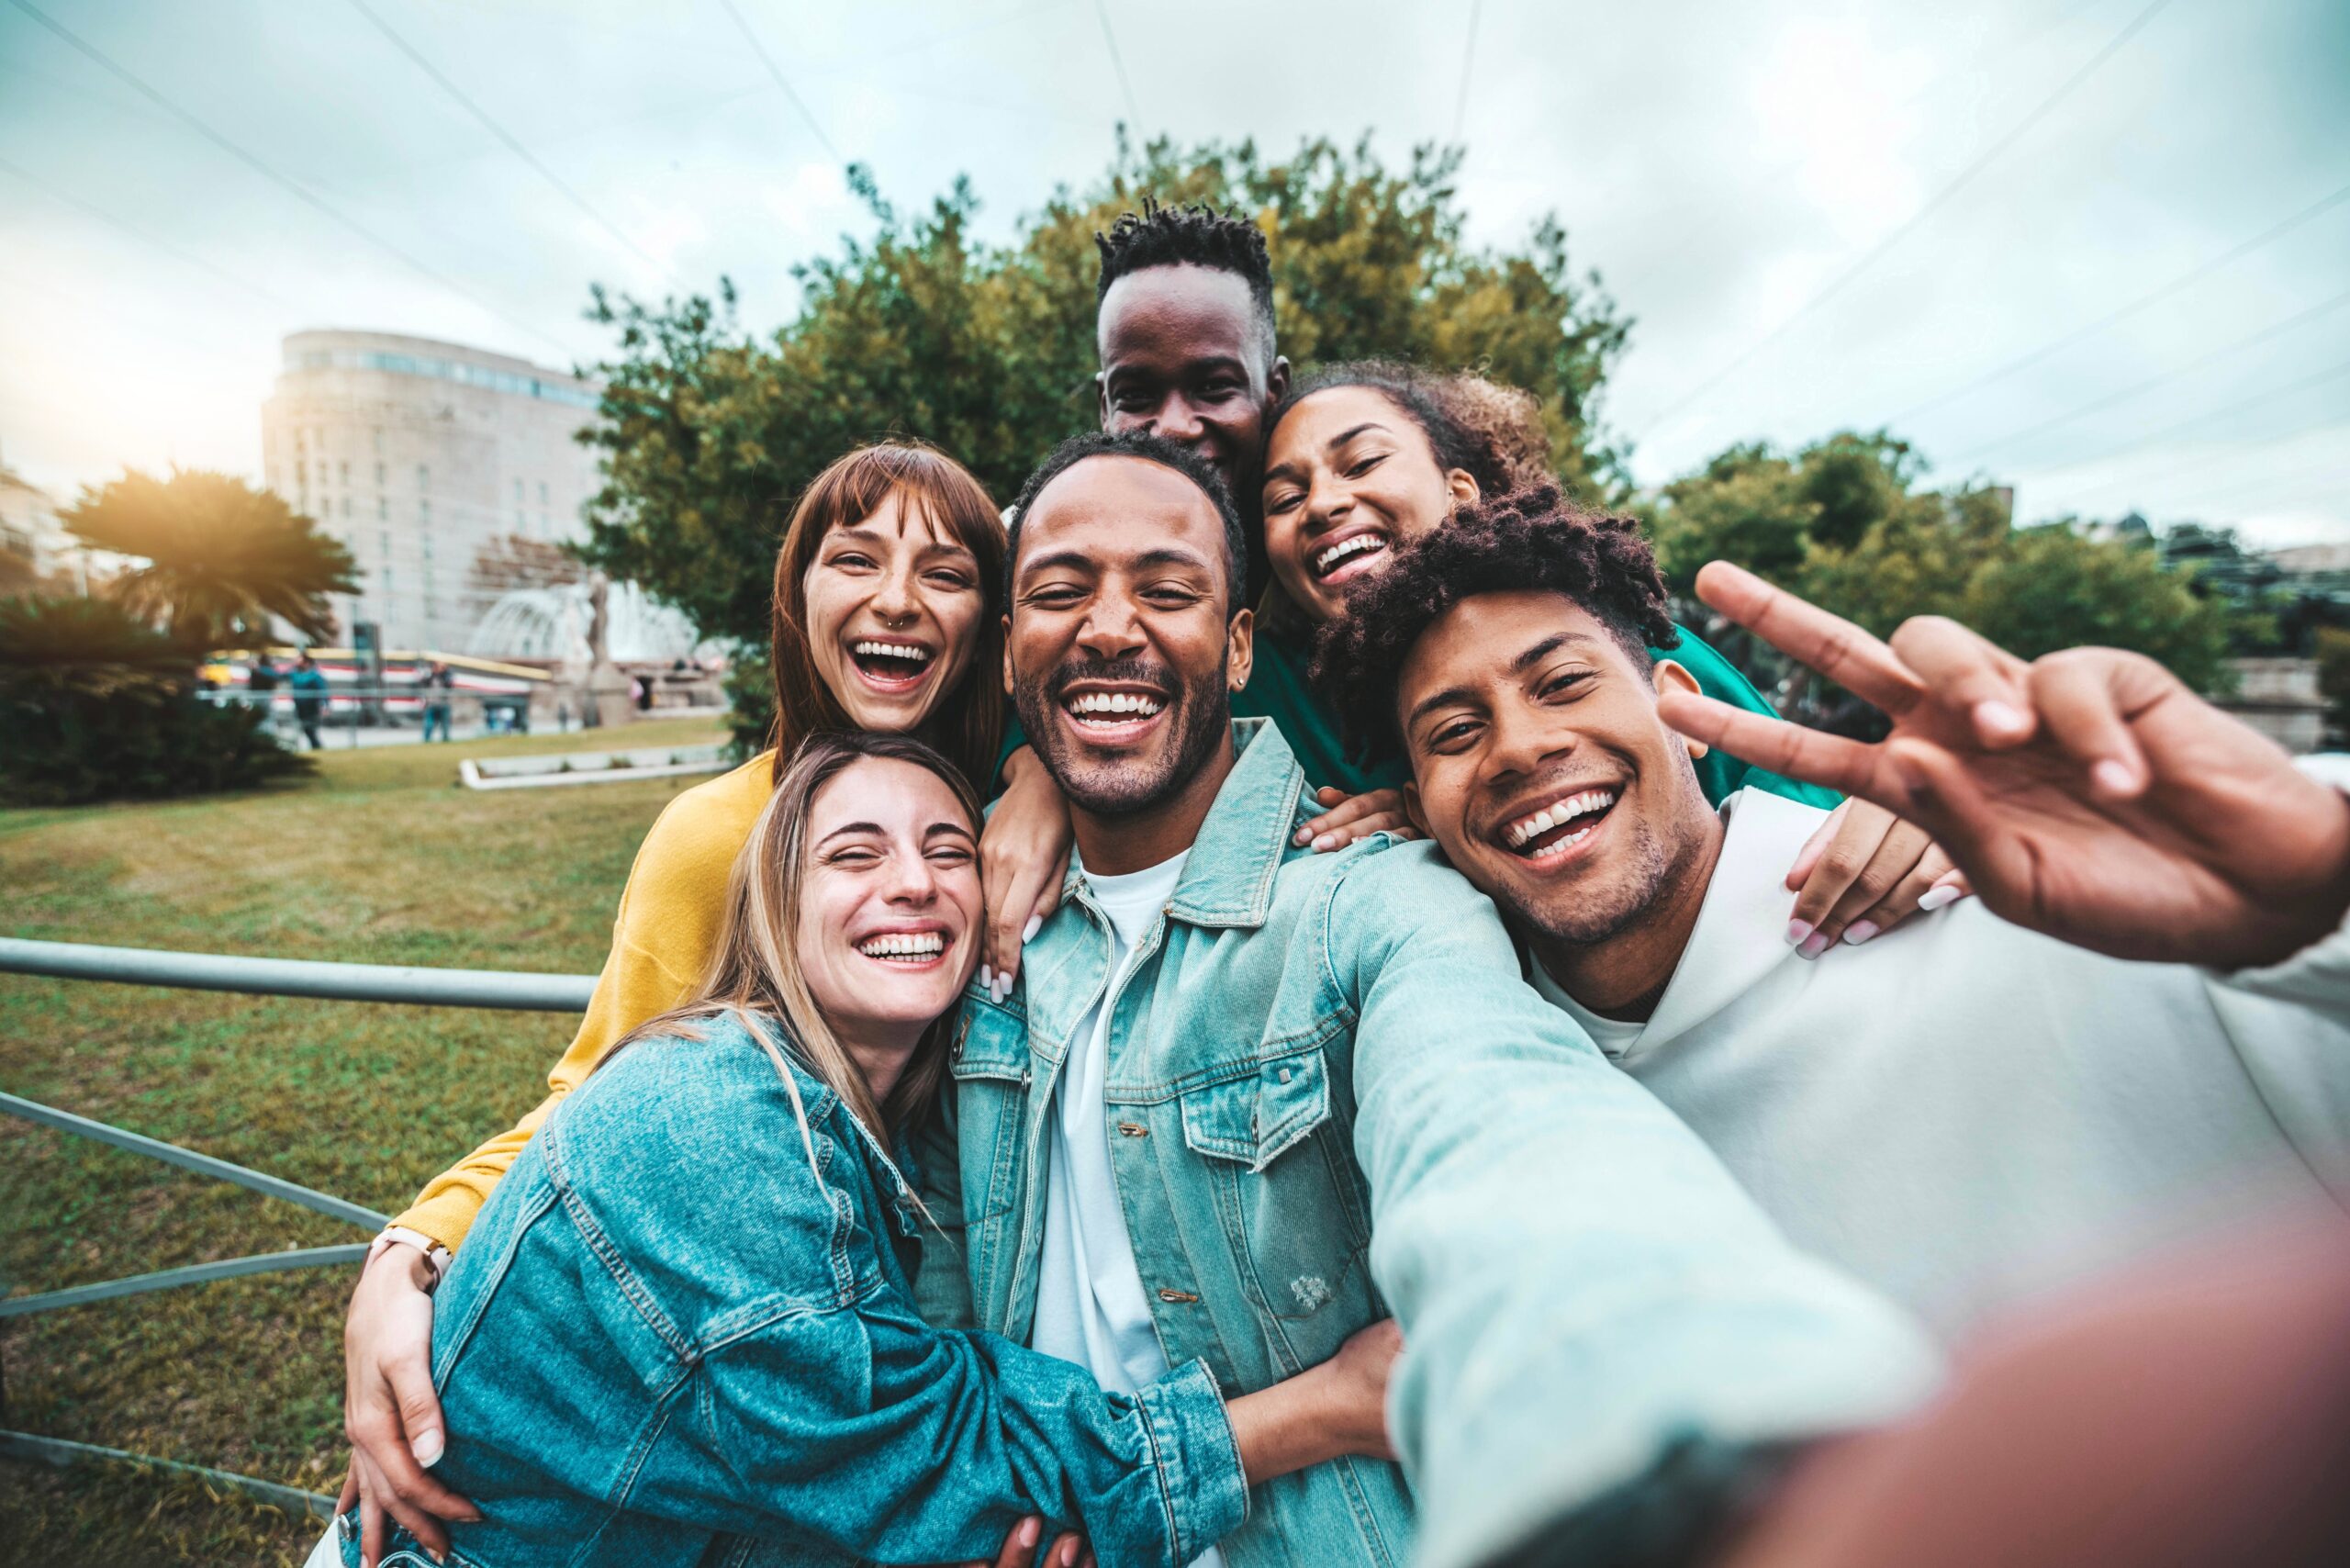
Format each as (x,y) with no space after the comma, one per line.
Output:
(221,557)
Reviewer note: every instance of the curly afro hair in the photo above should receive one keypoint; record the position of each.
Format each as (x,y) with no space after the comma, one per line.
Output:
(1197,236)
(1527,539)
(1153,449)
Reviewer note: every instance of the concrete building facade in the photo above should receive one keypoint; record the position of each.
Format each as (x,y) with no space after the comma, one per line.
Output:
(424,458)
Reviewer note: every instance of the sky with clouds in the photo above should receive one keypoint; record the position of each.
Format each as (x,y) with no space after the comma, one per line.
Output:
(2098,248)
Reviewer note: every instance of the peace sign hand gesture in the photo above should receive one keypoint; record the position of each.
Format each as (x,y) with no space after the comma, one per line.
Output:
(2088,794)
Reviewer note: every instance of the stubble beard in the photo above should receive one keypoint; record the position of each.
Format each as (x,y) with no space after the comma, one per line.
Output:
(1126,786)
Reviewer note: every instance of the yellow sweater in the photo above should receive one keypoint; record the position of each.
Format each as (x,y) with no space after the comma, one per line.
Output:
(661,943)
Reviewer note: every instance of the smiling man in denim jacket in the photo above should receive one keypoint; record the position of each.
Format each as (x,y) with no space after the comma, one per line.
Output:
(1247,1100)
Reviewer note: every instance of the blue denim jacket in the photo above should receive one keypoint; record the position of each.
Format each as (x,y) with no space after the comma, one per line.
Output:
(1332,1098)
(682,1332)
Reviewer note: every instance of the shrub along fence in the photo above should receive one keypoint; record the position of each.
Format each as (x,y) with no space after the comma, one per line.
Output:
(263,976)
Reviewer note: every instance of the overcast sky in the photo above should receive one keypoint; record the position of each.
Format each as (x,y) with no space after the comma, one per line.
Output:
(1820,215)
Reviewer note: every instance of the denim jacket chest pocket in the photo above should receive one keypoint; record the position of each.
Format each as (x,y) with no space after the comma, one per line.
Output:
(991,1066)
(1279,1168)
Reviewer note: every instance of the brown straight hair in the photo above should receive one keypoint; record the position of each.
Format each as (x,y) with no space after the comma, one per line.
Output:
(754,964)
(968,724)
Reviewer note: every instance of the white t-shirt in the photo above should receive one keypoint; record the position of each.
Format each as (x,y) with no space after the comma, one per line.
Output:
(1968,1116)
(1090,1308)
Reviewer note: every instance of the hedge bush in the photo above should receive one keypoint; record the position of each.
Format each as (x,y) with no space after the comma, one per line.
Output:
(95,706)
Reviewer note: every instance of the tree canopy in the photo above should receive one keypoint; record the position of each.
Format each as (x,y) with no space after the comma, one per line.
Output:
(988,351)
(1846,524)
(221,557)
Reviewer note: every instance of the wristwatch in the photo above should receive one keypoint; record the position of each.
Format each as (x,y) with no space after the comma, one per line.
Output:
(435,1255)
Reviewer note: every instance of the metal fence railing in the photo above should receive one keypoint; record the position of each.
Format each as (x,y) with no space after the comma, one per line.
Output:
(262,977)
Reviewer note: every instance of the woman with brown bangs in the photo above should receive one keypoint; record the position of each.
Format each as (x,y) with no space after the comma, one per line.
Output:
(887,620)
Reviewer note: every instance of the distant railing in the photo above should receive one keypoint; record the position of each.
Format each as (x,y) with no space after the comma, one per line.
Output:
(262,977)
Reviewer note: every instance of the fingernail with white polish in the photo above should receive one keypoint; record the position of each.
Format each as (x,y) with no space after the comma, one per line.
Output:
(987,978)
(1813,946)
(1028,931)
(1933,899)
(1301,836)
(1326,842)
(1798,933)
(1859,931)
(2113,778)
(427,1450)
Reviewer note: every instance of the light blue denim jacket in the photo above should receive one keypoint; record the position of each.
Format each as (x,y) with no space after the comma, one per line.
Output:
(1333,1098)
(682,1318)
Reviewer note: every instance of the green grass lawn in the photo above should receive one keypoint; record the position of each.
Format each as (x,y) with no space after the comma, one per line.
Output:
(381,858)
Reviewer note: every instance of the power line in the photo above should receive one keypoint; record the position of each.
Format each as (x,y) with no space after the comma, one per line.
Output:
(2201,460)
(2041,427)
(514,146)
(1118,63)
(142,236)
(2192,276)
(283,182)
(2189,427)
(776,72)
(1467,54)
(1940,199)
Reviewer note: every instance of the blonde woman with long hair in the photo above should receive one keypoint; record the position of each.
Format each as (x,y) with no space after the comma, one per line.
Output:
(684,1325)
(886,616)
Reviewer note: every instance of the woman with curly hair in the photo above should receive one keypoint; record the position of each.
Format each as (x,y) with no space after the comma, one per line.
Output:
(1364,456)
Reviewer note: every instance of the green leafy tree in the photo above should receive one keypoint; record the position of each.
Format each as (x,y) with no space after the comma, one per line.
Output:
(1846,524)
(989,350)
(2052,588)
(221,557)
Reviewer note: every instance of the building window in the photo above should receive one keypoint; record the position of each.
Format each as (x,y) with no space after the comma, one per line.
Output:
(521,524)
(302,474)
(301,441)
(423,478)
(545,531)
(384,546)
(383,509)
(424,511)
(379,446)
(346,506)
(345,469)
(518,489)
(379,468)
(542,492)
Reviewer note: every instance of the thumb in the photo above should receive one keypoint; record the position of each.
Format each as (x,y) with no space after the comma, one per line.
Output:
(1808,857)
(420,1416)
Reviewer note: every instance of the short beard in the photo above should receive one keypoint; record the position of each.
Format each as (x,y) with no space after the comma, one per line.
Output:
(1652,870)
(1203,715)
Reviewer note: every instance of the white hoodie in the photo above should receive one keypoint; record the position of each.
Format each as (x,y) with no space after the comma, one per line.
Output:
(1963,1112)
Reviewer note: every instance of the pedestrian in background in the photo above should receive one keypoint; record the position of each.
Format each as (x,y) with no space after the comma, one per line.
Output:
(438,683)
(308,685)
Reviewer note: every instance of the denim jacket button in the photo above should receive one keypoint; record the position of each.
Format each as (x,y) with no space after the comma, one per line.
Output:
(1132,1129)
(1024,1077)
(1179,1298)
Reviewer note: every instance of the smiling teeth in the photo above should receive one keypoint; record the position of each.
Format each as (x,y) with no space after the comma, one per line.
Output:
(913,651)
(1115,702)
(1346,547)
(903,944)
(1523,831)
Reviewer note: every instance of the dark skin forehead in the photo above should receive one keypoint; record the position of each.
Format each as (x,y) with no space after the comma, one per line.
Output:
(1146,502)
(1165,319)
